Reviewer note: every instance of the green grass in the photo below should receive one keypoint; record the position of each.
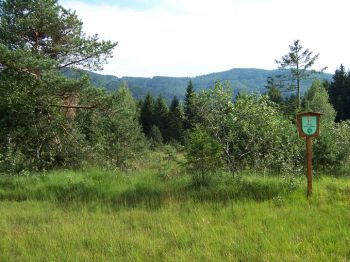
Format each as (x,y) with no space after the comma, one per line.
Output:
(157,215)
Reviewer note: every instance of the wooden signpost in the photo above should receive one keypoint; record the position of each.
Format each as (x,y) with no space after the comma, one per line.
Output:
(309,127)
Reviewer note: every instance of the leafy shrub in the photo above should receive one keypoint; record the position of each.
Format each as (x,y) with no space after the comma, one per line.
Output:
(203,156)
(332,149)
(250,131)
(112,132)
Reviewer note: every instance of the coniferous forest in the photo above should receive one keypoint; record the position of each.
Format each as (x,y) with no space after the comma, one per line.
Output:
(218,174)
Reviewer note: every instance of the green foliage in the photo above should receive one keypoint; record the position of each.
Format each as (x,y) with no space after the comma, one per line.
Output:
(176,119)
(156,136)
(34,125)
(264,139)
(339,93)
(161,117)
(189,111)
(273,91)
(112,130)
(146,114)
(44,27)
(316,99)
(38,104)
(251,131)
(168,121)
(331,150)
(203,156)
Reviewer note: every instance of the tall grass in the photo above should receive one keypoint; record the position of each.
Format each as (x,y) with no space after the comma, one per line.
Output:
(156,214)
(144,188)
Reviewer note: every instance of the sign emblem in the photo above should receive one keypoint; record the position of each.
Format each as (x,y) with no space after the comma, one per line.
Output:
(309,125)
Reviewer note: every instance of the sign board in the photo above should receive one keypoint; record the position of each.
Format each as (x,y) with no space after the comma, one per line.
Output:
(309,124)
(309,127)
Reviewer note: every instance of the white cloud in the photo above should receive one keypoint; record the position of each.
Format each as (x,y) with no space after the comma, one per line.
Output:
(193,37)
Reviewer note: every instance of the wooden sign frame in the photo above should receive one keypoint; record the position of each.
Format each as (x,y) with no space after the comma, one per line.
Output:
(300,130)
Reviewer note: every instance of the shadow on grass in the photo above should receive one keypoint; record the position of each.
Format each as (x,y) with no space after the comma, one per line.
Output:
(140,196)
(145,195)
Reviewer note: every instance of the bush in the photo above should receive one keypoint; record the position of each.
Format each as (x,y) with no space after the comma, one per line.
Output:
(332,149)
(203,156)
(251,132)
(264,138)
(112,132)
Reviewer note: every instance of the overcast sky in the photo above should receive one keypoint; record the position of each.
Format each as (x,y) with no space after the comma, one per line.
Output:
(196,37)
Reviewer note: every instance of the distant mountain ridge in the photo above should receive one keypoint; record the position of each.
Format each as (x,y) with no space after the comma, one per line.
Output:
(242,79)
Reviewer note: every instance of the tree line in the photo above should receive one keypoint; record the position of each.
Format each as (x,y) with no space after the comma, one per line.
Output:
(163,124)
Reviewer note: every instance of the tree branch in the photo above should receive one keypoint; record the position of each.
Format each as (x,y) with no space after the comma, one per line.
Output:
(76,62)
(67,106)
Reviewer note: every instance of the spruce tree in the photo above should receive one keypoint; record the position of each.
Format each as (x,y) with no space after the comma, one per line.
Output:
(189,111)
(339,93)
(146,114)
(176,118)
(161,114)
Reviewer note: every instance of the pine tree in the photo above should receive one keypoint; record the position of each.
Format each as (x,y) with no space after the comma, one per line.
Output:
(46,28)
(189,111)
(38,104)
(146,114)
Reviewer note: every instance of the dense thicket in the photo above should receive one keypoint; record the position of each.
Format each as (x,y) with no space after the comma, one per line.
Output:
(258,132)
(251,131)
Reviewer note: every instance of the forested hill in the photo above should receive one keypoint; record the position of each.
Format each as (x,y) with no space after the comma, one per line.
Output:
(242,79)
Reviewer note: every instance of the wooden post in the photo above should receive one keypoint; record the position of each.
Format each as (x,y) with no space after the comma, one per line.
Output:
(309,165)
(309,127)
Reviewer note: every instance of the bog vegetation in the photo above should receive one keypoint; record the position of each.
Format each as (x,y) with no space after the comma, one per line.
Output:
(214,152)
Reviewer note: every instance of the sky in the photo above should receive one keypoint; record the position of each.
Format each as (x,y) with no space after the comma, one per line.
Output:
(187,38)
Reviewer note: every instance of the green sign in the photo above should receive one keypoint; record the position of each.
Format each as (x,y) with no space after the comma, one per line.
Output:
(309,124)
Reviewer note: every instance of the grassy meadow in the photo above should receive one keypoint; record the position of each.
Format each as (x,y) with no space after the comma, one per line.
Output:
(154,213)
